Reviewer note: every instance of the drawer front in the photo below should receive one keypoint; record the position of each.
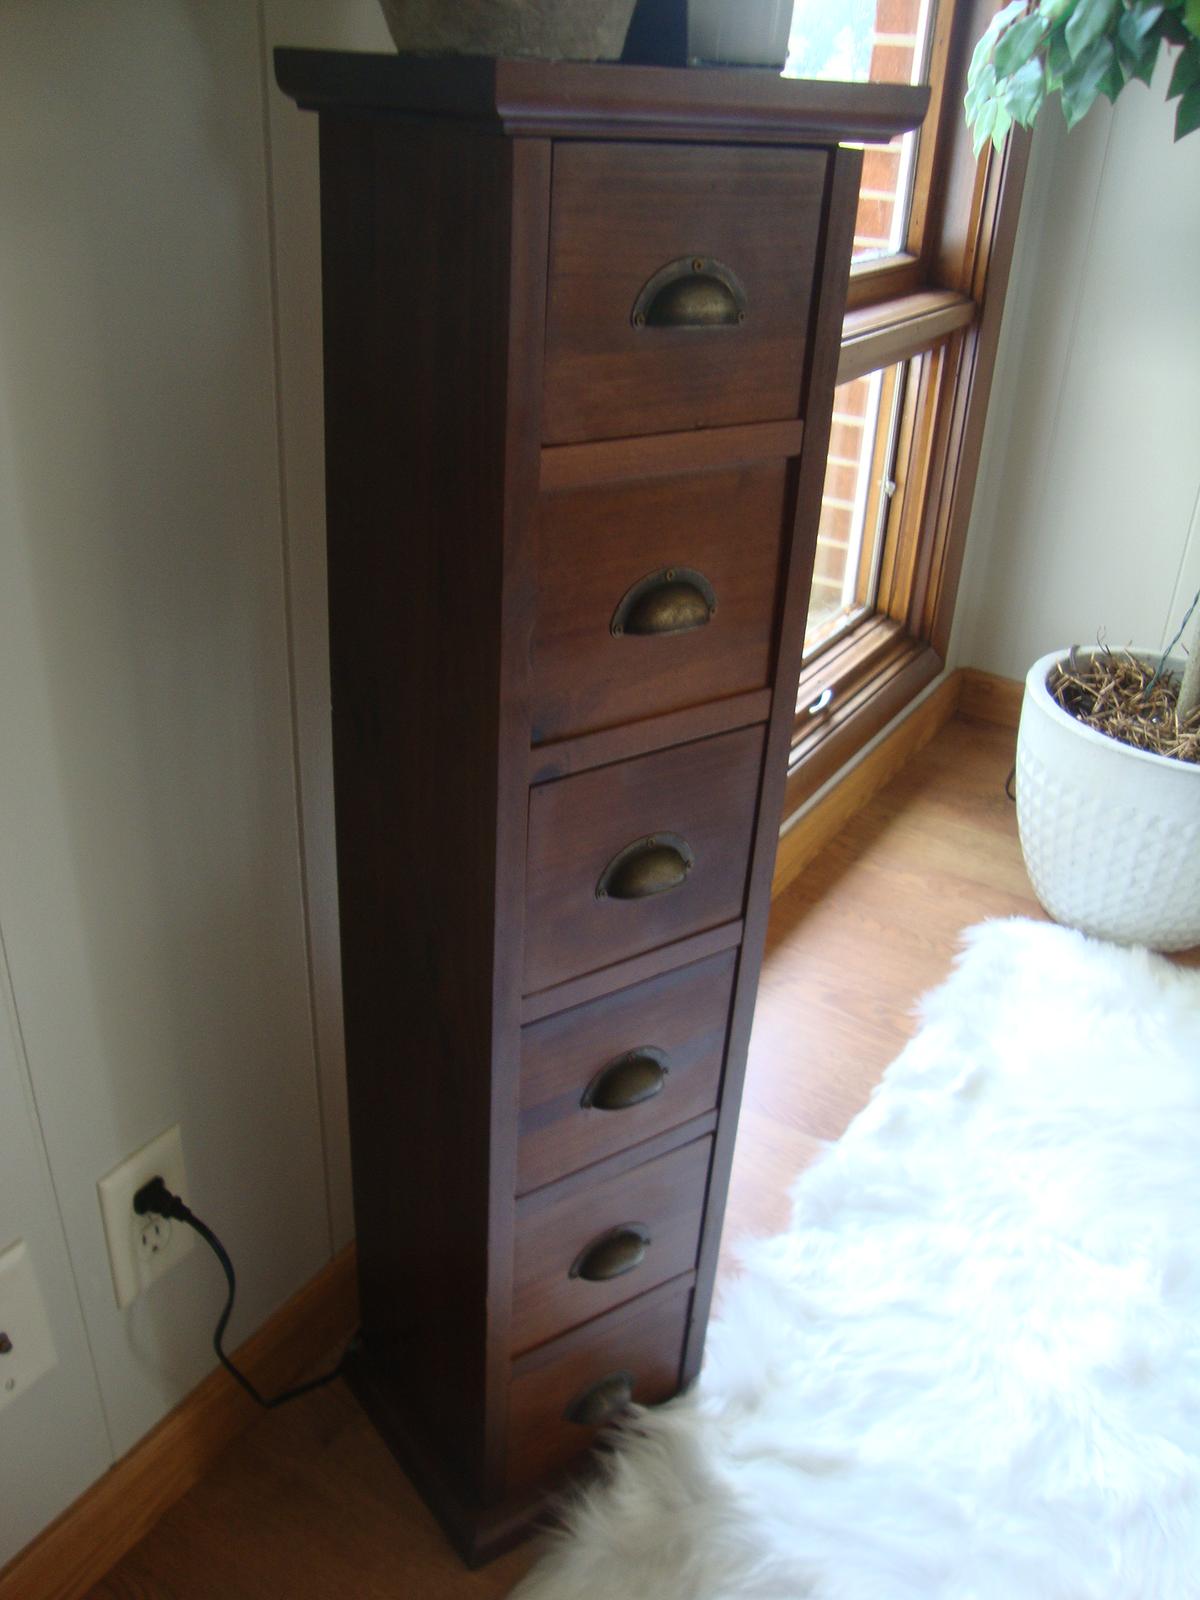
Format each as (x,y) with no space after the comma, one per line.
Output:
(655,596)
(677,233)
(562,1396)
(607,1243)
(637,854)
(620,1070)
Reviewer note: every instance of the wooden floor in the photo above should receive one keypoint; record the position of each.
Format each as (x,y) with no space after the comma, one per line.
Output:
(310,1503)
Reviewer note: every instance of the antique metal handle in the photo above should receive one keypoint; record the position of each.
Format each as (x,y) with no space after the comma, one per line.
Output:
(602,1401)
(671,600)
(646,867)
(693,292)
(628,1080)
(613,1254)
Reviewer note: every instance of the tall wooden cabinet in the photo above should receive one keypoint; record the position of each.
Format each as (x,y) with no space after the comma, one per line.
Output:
(581,328)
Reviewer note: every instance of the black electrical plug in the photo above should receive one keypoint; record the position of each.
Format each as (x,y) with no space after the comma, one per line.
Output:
(155,1199)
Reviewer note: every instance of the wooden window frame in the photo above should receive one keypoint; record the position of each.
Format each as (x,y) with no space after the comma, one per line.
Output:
(942,300)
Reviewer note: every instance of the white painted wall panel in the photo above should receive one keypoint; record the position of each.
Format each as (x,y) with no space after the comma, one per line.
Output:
(53,1441)
(150,880)
(1091,473)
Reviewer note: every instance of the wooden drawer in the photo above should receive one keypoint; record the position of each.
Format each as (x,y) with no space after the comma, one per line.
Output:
(572,1255)
(655,596)
(624,214)
(635,1351)
(608,826)
(669,1030)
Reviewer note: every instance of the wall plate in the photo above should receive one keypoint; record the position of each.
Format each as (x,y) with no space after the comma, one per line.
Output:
(141,1249)
(24,1326)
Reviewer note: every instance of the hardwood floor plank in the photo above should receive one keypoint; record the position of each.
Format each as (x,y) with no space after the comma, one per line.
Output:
(863,932)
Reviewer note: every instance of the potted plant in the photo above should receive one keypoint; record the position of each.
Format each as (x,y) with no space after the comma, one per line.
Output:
(1108,753)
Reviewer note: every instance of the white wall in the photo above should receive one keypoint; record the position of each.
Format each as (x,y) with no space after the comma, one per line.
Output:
(1087,515)
(161,616)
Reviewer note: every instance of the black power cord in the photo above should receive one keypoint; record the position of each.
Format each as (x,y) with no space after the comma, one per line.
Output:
(154,1198)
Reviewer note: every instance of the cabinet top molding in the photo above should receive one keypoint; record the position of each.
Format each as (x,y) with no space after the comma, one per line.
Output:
(569,99)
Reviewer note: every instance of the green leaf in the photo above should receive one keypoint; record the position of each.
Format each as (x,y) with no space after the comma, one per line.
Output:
(1086,24)
(1026,91)
(1186,73)
(1113,81)
(1080,90)
(1173,29)
(983,50)
(1187,113)
(984,123)
(1058,58)
(1017,45)
(1191,17)
(1000,127)
(1143,67)
(984,88)
(1136,23)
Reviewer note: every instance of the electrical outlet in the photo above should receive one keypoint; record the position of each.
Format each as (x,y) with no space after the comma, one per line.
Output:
(141,1249)
(26,1348)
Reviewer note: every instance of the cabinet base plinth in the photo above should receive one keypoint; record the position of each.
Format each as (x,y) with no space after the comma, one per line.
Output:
(478,1533)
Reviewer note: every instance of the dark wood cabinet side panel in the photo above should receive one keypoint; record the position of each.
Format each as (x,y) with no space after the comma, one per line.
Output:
(415,257)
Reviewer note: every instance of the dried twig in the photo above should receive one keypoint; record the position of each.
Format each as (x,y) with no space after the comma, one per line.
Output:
(1122,697)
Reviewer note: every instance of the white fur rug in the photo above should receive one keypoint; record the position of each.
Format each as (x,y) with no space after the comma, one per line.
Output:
(971,1369)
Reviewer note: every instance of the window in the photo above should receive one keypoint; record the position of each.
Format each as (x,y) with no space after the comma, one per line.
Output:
(870,41)
(933,237)
(859,486)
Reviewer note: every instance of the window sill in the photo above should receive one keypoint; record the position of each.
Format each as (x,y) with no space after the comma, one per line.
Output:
(874,672)
(875,336)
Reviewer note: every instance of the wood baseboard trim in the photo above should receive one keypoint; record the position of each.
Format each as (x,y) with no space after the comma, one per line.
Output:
(818,825)
(990,698)
(70,1556)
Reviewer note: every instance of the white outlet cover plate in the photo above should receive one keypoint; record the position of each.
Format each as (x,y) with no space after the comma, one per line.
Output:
(23,1318)
(136,1258)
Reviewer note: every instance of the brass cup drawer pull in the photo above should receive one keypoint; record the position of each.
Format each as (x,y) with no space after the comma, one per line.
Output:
(602,1401)
(691,292)
(613,1254)
(628,1081)
(671,600)
(653,865)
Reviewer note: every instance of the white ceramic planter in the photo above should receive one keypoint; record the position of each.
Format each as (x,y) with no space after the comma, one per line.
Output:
(1111,835)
